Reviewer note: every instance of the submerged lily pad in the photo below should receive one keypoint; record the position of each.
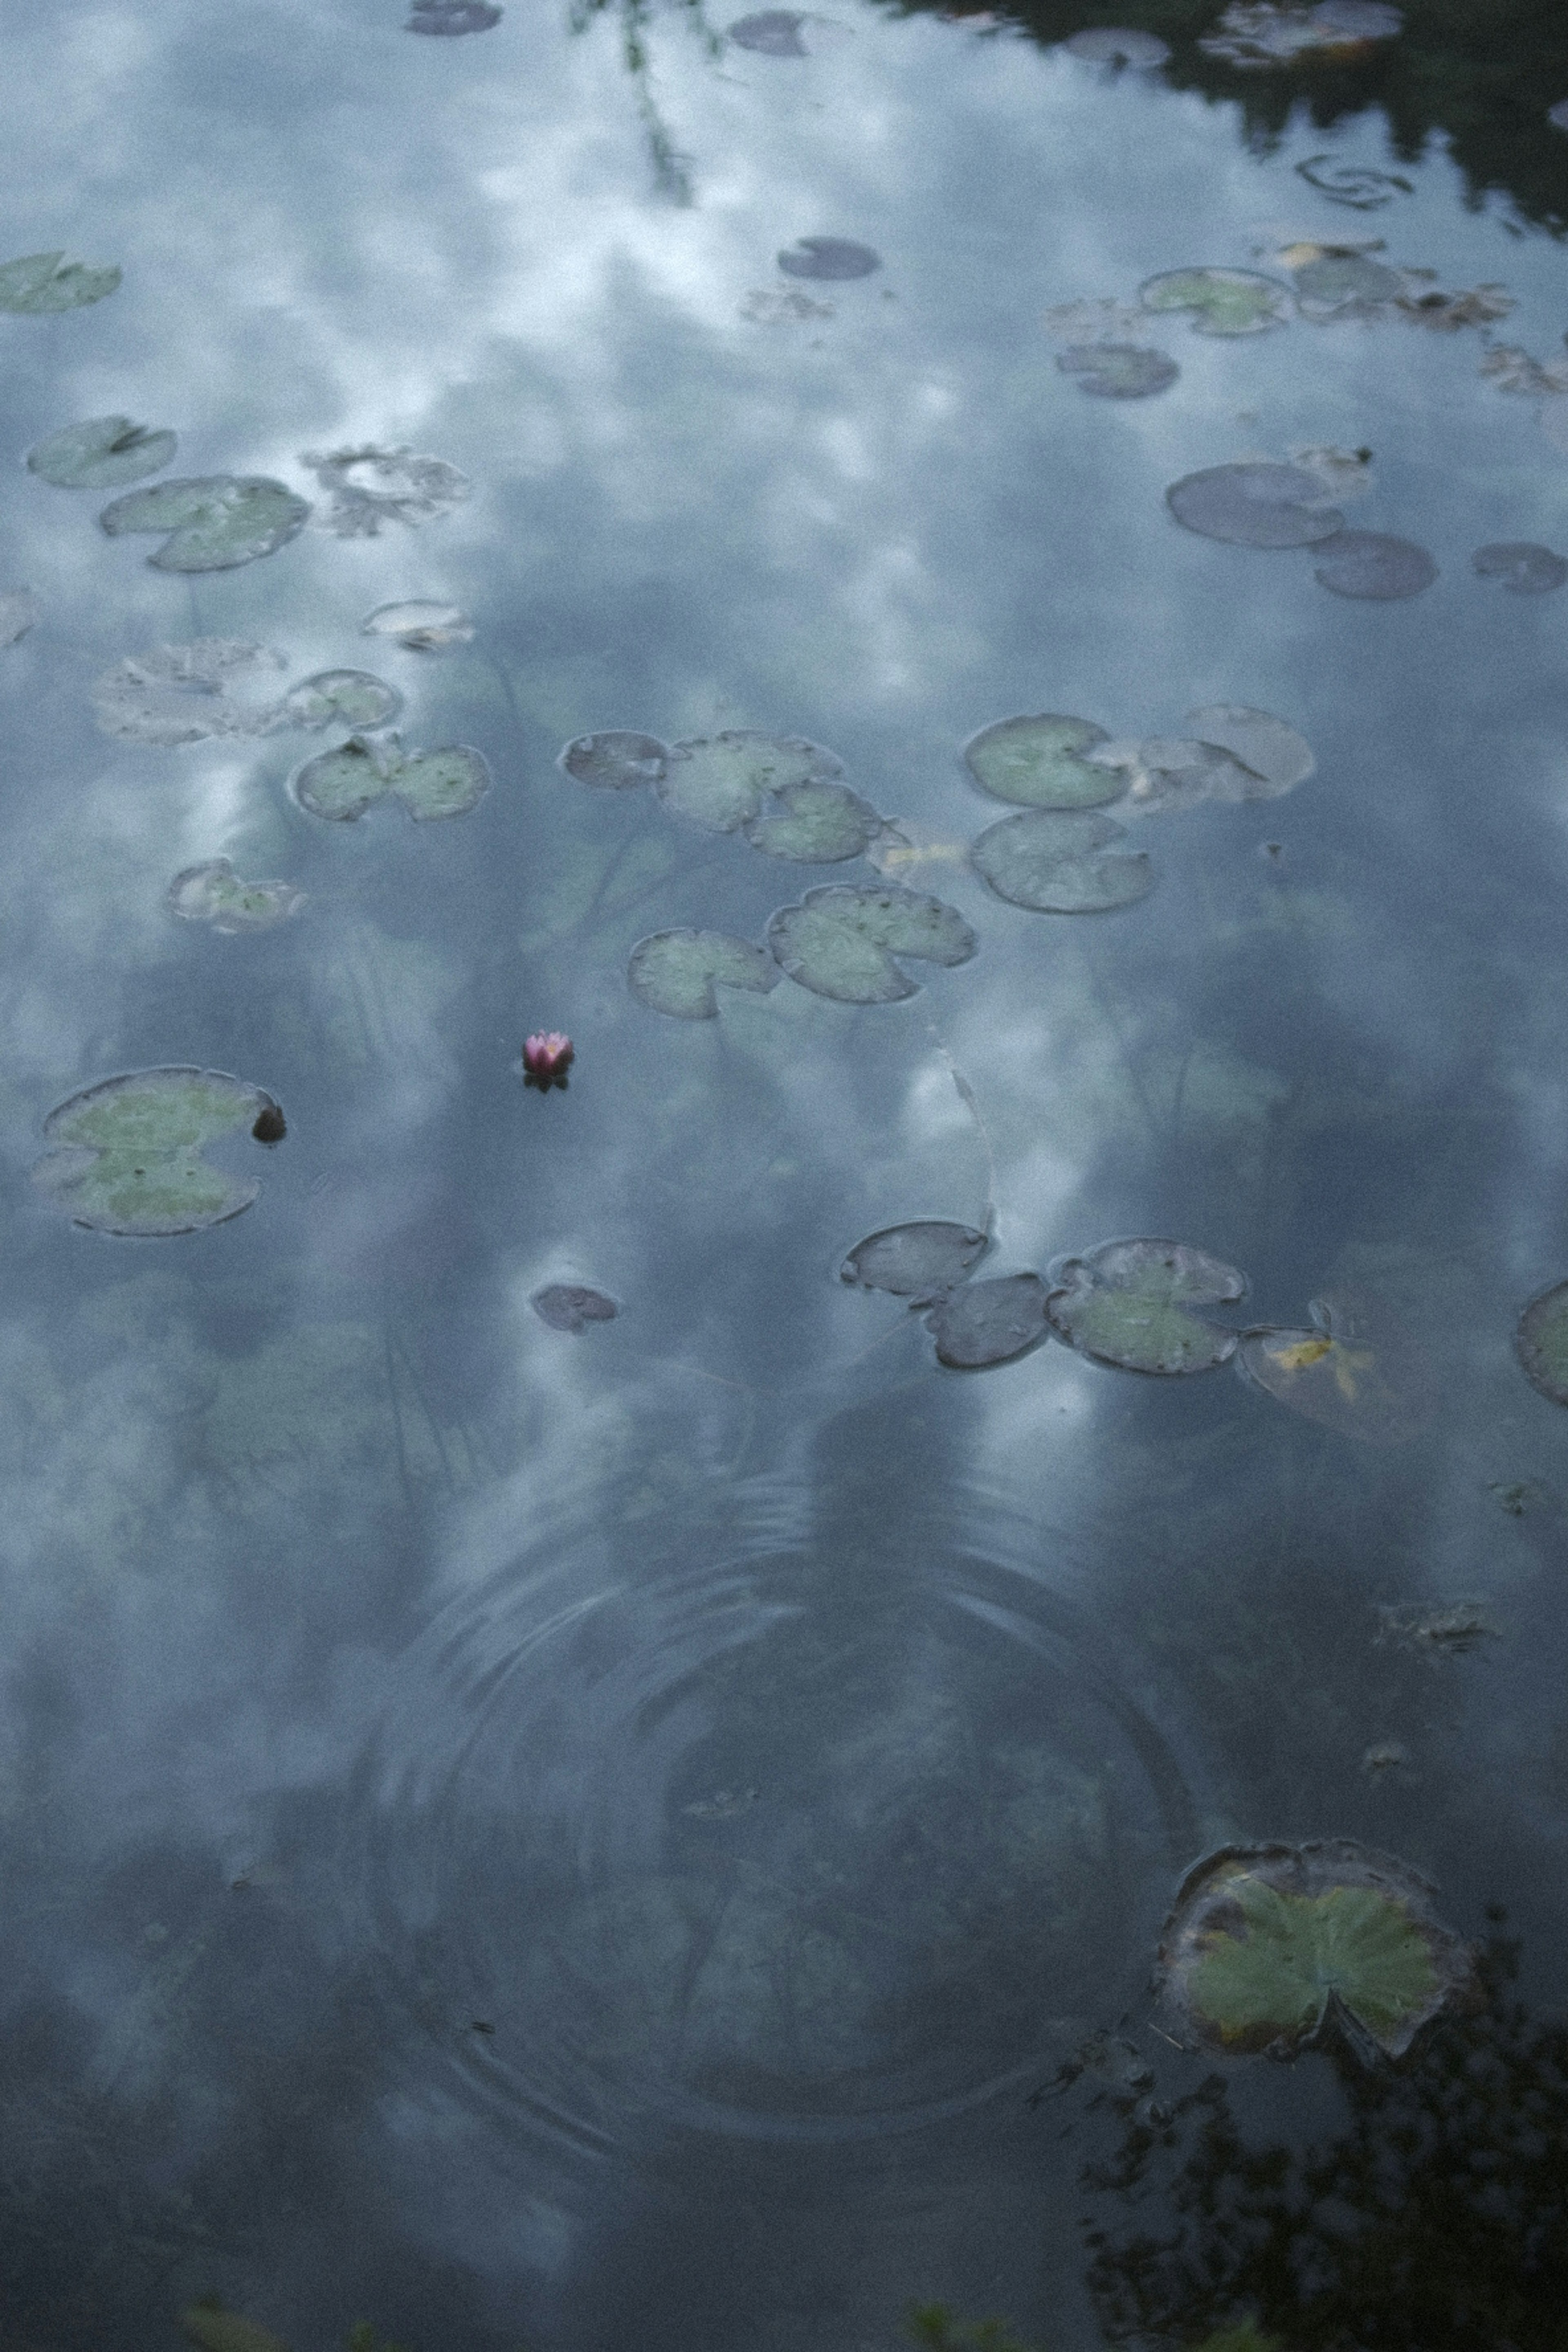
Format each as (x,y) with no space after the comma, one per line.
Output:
(1266,1942)
(1223,302)
(815,823)
(1119,371)
(1038,763)
(1117,45)
(125,1155)
(1275,757)
(1369,563)
(213,893)
(1523,568)
(217,2330)
(1061,862)
(1256,503)
(452,16)
(344,783)
(677,971)
(1167,772)
(841,942)
(186,694)
(990,1322)
(829,256)
(1130,1304)
(773,33)
(617,760)
(1541,1342)
(1352,1370)
(1358,186)
(103,453)
(720,781)
(214,521)
(420,627)
(572,1306)
(921,1262)
(18,612)
(368,487)
(1344,286)
(342,698)
(48,281)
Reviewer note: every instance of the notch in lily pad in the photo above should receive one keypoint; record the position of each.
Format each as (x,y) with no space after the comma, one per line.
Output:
(1131,1304)
(1038,763)
(1270,1946)
(213,893)
(843,943)
(1062,861)
(921,1261)
(39,283)
(1222,302)
(340,785)
(212,522)
(102,453)
(125,1155)
(678,972)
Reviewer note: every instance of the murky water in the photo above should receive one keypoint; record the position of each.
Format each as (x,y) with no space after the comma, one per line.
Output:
(516,1835)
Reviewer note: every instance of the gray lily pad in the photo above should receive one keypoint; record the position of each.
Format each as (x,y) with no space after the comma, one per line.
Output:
(452,16)
(1223,302)
(342,785)
(720,781)
(419,626)
(103,453)
(1275,757)
(990,1322)
(1038,763)
(125,1155)
(572,1306)
(214,521)
(1257,503)
(616,760)
(1541,1342)
(1061,862)
(1130,1304)
(773,33)
(1356,185)
(829,256)
(370,486)
(213,893)
(1163,771)
(815,823)
(921,1262)
(1267,1944)
(1119,371)
(841,942)
(1352,1370)
(677,973)
(48,281)
(186,694)
(1524,569)
(1117,45)
(342,698)
(1344,286)
(1371,564)
(18,614)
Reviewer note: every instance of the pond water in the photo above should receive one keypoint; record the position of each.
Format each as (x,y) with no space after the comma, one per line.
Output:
(584,1758)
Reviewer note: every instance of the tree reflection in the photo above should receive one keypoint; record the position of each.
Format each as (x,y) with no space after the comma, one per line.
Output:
(671,168)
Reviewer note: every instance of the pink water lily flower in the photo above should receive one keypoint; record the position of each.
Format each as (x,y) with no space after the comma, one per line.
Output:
(546,1059)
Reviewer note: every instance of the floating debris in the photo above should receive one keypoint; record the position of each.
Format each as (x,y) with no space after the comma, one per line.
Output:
(42,282)
(18,614)
(829,256)
(1369,563)
(841,942)
(721,782)
(342,785)
(1061,862)
(342,698)
(547,1057)
(102,453)
(1344,286)
(213,893)
(125,1154)
(1119,371)
(677,973)
(617,760)
(1038,763)
(1356,185)
(1477,306)
(186,694)
(1117,45)
(1435,1634)
(773,33)
(213,522)
(1255,503)
(1268,1945)
(921,1262)
(452,16)
(1257,34)
(572,1306)
(1223,302)
(989,1323)
(1275,757)
(723,1805)
(370,486)
(1524,569)
(1129,1304)
(420,628)
(1541,1342)
(1351,1370)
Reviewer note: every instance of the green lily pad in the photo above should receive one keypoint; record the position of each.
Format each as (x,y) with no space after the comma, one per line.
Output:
(1055,861)
(102,453)
(214,521)
(989,1323)
(1038,764)
(816,823)
(1223,302)
(720,781)
(48,281)
(1266,1943)
(342,785)
(1541,1342)
(342,698)
(186,694)
(677,971)
(1130,1304)
(125,1155)
(617,760)
(1352,1370)
(213,893)
(921,1261)
(841,942)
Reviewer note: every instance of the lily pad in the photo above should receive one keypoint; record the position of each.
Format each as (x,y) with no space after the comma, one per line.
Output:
(677,971)
(1038,763)
(1266,1943)
(1272,753)
(18,612)
(48,281)
(125,1155)
(452,16)
(1523,568)
(1061,862)
(342,785)
(1117,45)
(921,1262)
(720,781)
(1352,1370)
(815,823)
(186,694)
(214,521)
(617,760)
(841,942)
(1174,771)
(1257,503)
(1223,302)
(102,453)
(342,698)
(213,893)
(773,33)
(420,627)
(1119,371)
(1344,286)
(1369,563)
(1541,1342)
(572,1306)
(829,256)
(370,486)
(1130,1304)
(990,1322)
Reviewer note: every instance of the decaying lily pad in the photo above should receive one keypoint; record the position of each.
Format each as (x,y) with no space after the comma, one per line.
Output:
(1267,1943)
(1275,757)
(1372,564)
(48,281)
(617,760)
(342,698)
(185,694)
(1038,763)
(1541,1342)
(214,521)
(1256,503)
(370,486)
(213,893)
(344,783)
(1061,862)
(989,1322)
(813,823)
(1352,1370)
(720,781)
(1223,302)
(841,942)
(1344,286)
(420,627)
(452,16)
(18,612)
(1174,771)
(1119,371)
(677,973)
(1130,1304)
(921,1262)
(1523,568)
(773,33)
(1117,45)
(125,1155)
(102,453)
(829,256)
(1358,186)
(572,1306)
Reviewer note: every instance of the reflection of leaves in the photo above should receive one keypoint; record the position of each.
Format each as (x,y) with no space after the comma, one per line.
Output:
(48,281)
